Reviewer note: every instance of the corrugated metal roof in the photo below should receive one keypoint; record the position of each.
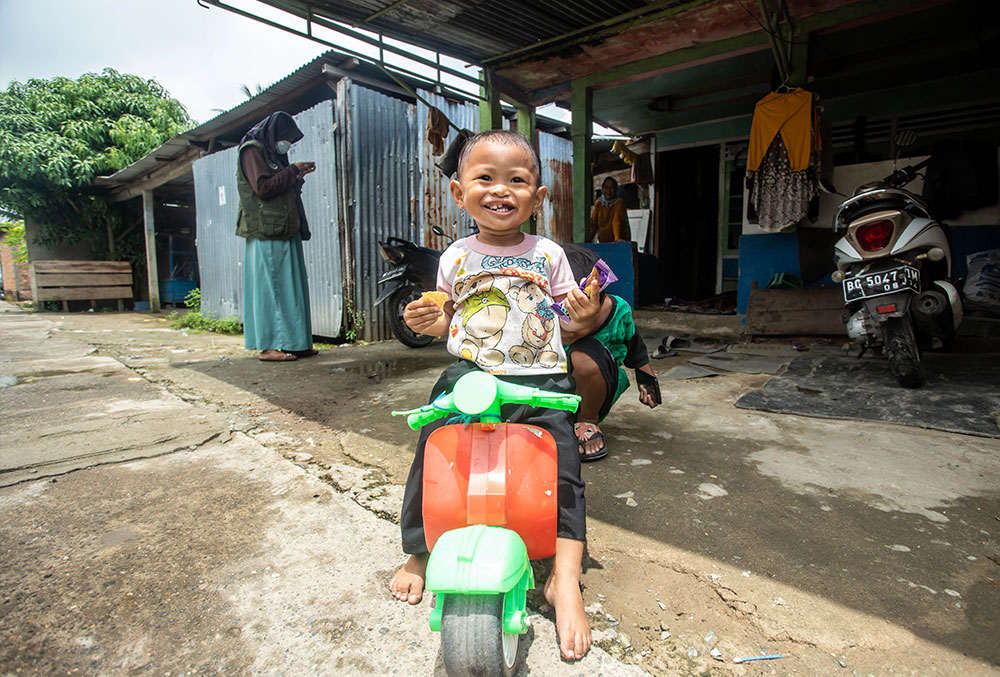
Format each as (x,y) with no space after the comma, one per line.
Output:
(473,31)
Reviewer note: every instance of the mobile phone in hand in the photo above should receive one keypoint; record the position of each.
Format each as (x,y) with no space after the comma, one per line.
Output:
(651,383)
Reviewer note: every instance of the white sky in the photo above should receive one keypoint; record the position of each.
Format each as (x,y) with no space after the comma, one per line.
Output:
(200,56)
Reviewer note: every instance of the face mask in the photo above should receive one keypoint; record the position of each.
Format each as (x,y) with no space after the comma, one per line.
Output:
(282,147)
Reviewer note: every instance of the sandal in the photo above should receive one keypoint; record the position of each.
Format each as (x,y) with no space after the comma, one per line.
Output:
(276,356)
(590,432)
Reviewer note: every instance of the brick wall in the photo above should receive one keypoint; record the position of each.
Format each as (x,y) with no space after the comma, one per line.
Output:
(9,286)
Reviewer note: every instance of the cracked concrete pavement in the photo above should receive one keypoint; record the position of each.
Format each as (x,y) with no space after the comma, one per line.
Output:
(170,504)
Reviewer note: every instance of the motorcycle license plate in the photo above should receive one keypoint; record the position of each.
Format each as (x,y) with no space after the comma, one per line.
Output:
(904,278)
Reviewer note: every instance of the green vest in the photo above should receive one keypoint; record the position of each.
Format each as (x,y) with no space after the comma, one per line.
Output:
(280,218)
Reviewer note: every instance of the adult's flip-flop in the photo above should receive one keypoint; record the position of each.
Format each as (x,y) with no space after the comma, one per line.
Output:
(591,432)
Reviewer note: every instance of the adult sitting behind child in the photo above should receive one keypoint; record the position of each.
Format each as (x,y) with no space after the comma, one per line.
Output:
(500,284)
(596,360)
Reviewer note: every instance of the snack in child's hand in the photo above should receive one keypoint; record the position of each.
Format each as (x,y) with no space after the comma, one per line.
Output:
(601,272)
(438,298)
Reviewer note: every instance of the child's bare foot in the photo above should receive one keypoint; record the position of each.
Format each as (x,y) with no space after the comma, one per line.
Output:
(562,591)
(407,584)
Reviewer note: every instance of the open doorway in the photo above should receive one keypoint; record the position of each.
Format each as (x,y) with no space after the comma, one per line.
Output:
(687,188)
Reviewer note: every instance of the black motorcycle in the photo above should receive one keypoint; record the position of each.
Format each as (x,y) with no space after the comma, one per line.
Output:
(413,271)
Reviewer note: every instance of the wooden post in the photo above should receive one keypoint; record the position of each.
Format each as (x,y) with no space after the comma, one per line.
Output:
(490,114)
(151,272)
(582,103)
(526,126)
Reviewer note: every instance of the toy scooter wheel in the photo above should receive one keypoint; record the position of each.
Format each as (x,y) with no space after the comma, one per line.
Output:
(472,638)
(397,302)
(903,353)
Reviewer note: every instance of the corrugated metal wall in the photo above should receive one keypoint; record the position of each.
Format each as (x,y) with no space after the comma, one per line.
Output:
(434,204)
(382,171)
(220,252)
(555,219)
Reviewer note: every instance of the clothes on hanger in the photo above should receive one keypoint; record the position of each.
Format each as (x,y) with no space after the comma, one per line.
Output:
(782,157)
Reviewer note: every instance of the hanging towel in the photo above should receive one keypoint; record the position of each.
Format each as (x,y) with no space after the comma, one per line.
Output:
(794,116)
(437,130)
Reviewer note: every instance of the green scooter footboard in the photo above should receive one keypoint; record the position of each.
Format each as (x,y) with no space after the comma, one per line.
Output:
(481,560)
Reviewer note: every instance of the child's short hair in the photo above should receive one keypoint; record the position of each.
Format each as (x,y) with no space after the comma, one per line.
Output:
(581,261)
(504,137)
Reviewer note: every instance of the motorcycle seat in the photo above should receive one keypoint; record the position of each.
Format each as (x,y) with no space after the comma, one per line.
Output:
(860,209)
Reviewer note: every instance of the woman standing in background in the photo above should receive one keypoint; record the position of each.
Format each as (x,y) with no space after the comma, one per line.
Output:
(276,319)
(608,219)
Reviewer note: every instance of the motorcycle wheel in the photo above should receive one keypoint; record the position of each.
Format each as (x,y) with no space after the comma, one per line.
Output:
(472,638)
(397,302)
(903,353)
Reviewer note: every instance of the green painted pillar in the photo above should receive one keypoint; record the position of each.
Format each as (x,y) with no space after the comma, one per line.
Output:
(526,126)
(582,104)
(490,115)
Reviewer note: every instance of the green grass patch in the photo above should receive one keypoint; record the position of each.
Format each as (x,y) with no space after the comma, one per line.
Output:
(193,320)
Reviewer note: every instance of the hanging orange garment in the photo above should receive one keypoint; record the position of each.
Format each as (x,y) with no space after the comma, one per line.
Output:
(792,114)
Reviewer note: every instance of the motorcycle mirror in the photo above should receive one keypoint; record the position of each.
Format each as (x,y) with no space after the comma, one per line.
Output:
(437,230)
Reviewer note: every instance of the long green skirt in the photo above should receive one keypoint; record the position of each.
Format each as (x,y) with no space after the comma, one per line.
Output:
(275,296)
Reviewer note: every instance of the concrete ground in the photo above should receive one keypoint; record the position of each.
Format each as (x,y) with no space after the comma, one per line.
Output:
(169,504)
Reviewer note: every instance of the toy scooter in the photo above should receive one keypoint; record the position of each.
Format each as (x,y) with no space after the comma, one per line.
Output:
(489,505)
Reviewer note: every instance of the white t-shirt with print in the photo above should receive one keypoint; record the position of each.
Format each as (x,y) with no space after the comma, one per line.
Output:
(503,319)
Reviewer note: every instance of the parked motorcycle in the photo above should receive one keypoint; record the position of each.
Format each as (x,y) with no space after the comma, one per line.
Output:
(413,271)
(894,263)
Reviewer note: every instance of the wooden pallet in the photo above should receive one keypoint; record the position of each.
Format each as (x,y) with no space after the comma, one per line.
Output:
(809,311)
(80,281)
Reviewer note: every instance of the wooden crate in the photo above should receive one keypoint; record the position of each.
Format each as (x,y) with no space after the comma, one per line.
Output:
(80,281)
(809,311)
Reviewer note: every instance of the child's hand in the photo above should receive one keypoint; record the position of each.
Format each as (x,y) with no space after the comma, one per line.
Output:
(421,315)
(583,308)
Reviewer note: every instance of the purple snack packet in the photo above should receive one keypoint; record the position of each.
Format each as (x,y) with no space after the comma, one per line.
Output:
(605,276)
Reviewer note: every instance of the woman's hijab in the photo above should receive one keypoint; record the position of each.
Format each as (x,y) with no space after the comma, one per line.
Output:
(275,127)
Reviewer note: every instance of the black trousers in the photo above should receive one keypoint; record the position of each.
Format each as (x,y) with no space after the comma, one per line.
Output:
(572,517)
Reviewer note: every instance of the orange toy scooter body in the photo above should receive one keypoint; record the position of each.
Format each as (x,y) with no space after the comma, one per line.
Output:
(498,474)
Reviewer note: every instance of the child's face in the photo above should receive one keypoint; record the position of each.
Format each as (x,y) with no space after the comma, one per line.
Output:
(498,188)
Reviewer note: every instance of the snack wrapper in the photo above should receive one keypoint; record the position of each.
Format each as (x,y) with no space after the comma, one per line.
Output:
(604,276)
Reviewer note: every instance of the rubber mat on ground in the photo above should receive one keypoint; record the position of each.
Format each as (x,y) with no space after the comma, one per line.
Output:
(962,393)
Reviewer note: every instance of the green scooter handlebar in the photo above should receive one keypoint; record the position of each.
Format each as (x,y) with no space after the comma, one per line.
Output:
(480,394)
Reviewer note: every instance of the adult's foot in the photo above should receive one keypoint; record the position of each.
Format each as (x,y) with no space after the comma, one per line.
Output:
(304,353)
(572,625)
(276,356)
(407,585)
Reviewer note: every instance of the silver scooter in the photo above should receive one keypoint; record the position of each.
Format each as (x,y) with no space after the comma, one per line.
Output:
(894,263)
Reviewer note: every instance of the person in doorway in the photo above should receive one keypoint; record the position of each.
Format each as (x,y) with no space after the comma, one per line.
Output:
(608,218)
(500,285)
(597,360)
(271,218)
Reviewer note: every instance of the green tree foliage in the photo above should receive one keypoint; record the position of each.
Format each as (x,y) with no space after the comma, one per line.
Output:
(57,135)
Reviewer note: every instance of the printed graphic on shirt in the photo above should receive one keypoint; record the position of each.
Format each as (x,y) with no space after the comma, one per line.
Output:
(504,322)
